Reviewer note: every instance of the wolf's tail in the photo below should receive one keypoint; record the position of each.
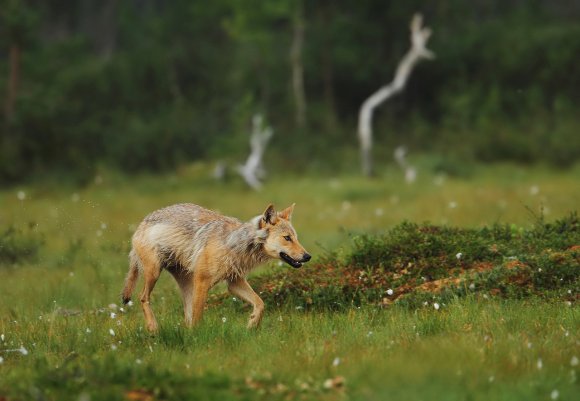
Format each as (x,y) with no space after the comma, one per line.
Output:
(131,278)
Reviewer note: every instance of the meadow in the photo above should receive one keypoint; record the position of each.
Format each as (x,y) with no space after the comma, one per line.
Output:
(64,335)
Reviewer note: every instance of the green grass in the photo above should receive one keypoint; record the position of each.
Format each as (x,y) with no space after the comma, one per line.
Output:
(56,305)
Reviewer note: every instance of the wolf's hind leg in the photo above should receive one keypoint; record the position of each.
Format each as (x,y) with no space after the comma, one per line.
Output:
(185,281)
(242,289)
(151,271)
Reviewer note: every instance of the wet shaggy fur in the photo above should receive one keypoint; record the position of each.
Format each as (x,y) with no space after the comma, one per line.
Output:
(200,248)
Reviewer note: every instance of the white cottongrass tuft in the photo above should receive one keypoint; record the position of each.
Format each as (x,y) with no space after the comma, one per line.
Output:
(2,337)
(554,394)
(574,361)
(22,350)
(389,292)
(224,319)
(113,315)
(472,286)
(112,332)
(436,306)
(336,361)
(539,364)
(1,360)
(459,255)
(88,330)
(130,303)
(21,195)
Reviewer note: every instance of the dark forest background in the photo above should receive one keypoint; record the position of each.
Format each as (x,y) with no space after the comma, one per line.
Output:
(147,85)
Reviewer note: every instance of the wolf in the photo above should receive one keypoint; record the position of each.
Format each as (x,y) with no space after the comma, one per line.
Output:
(201,248)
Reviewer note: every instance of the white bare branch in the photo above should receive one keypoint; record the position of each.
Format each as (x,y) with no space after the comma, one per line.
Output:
(400,156)
(419,37)
(253,170)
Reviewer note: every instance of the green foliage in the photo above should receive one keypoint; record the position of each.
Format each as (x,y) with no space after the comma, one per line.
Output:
(145,89)
(412,264)
(17,246)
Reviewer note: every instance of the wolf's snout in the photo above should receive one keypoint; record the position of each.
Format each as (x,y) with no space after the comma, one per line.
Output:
(306,257)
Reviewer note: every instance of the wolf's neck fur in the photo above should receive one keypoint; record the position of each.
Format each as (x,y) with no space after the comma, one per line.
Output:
(244,249)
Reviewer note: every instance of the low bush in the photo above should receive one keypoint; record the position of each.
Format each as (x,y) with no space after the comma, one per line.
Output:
(18,246)
(417,264)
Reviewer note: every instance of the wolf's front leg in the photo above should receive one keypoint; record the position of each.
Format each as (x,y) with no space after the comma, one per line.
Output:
(242,289)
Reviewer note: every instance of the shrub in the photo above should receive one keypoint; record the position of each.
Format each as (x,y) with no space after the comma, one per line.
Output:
(413,264)
(17,246)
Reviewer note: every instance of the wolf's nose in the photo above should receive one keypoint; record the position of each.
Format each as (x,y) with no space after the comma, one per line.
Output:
(306,257)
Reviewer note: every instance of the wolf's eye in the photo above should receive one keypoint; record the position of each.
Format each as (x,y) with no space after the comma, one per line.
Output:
(288,238)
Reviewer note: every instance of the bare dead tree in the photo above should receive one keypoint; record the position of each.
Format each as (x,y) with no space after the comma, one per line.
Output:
(253,171)
(297,65)
(419,37)
(400,156)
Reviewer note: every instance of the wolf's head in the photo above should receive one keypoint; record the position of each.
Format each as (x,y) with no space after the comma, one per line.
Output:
(281,240)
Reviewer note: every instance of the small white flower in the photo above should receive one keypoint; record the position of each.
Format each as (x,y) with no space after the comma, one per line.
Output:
(458,255)
(436,306)
(234,299)
(539,364)
(539,269)
(113,315)
(122,310)
(389,292)
(2,337)
(130,303)
(370,333)
(224,319)
(472,286)
(23,350)
(21,195)
(574,361)
(554,394)
(112,332)
(88,330)
(336,361)
(425,303)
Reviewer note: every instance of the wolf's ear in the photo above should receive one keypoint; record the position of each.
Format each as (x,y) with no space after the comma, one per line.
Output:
(270,216)
(286,214)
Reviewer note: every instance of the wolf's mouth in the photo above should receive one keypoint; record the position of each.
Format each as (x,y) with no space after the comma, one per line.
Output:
(292,262)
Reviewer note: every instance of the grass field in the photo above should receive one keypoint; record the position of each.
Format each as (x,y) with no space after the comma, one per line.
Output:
(70,343)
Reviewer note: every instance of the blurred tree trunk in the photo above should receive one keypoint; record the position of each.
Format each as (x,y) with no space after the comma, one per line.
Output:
(13,80)
(297,66)
(418,51)
(328,68)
